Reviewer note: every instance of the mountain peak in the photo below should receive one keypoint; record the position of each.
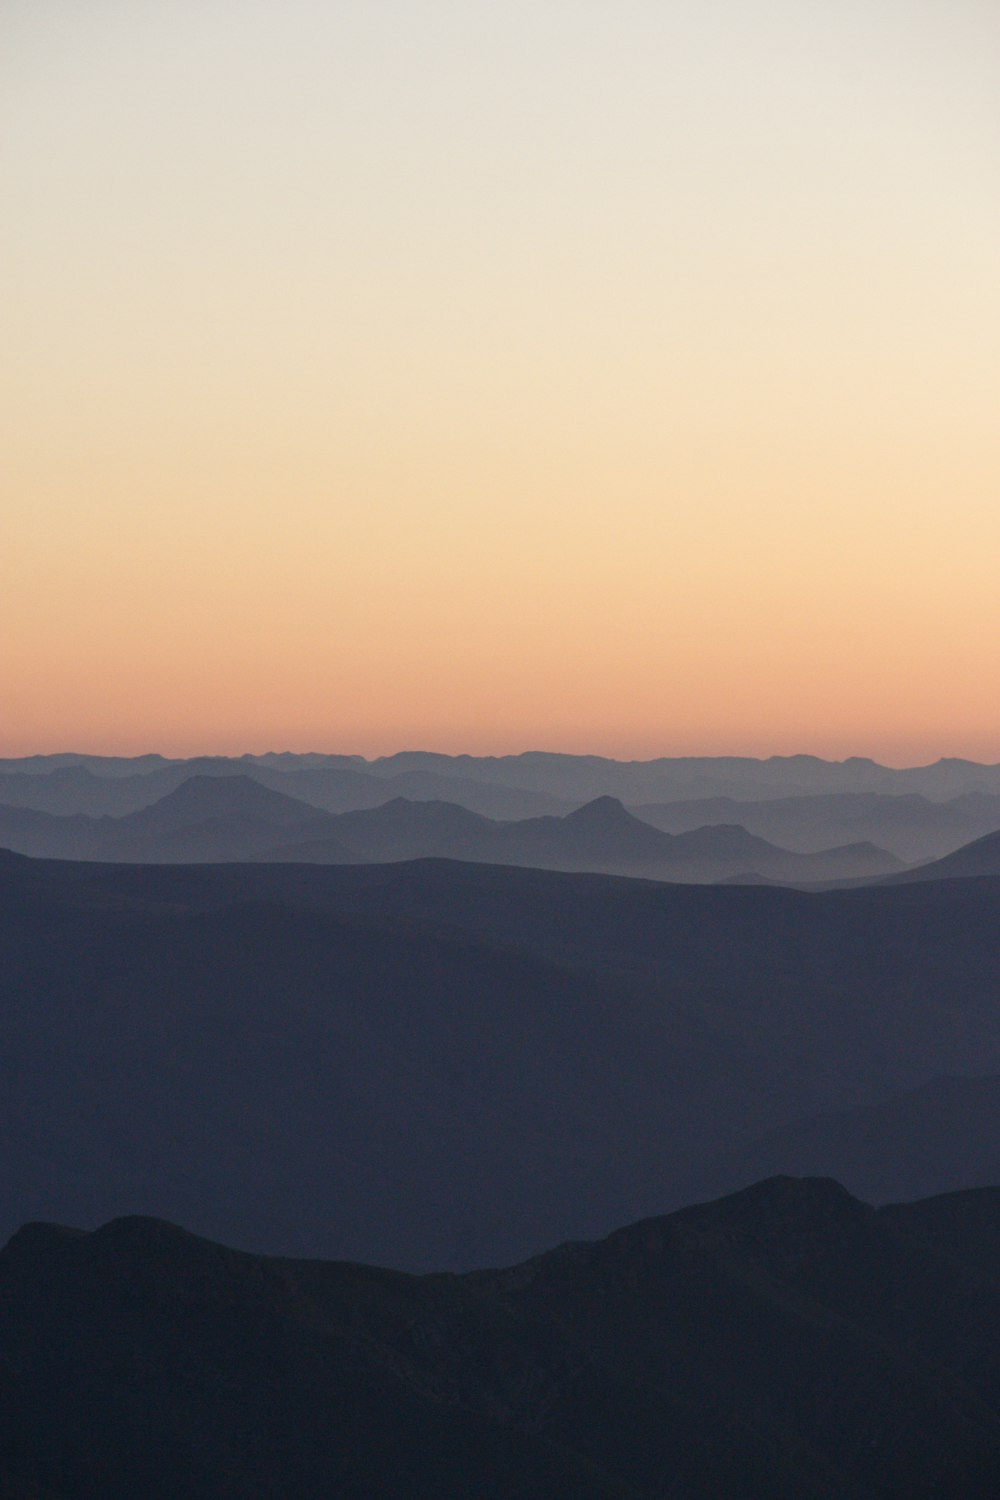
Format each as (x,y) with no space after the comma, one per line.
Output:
(602,811)
(213,795)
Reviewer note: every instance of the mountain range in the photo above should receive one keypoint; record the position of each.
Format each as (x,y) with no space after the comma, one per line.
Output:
(444,1065)
(789,1342)
(798,803)
(439,1014)
(219,818)
(910,826)
(979,858)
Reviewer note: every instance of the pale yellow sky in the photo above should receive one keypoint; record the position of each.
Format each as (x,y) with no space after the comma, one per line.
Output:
(614,377)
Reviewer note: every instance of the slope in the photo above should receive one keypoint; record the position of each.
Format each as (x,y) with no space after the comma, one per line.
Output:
(789,1341)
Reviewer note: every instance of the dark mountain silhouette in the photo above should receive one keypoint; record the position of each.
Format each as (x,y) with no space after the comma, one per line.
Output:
(976,859)
(933,1139)
(445,1065)
(788,1342)
(910,826)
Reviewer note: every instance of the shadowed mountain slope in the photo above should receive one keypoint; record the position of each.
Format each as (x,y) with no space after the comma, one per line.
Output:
(942,1136)
(974,860)
(437,1064)
(789,1341)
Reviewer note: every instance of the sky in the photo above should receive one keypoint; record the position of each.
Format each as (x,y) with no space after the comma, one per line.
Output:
(575,375)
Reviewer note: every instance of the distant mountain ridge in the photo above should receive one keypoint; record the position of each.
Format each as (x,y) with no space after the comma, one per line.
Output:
(572,778)
(981,858)
(907,824)
(208,818)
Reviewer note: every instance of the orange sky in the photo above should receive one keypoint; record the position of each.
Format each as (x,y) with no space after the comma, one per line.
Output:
(612,378)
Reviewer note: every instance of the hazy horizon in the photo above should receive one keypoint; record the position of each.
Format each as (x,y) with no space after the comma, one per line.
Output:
(239,752)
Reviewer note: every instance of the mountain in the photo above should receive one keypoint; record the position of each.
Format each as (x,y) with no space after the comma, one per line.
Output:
(514,786)
(601,836)
(81,789)
(205,818)
(222,815)
(668,779)
(941,1136)
(976,859)
(909,826)
(396,830)
(489,799)
(210,818)
(100,765)
(343,786)
(73,790)
(789,1342)
(47,836)
(446,1065)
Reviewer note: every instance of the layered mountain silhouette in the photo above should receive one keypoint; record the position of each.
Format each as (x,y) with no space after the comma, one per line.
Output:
(203,818)
(909,826)
(515,786)
(342,786)
(210,818)
(982,857)
(601,836)
(942,1136)
(789,1342)
(443,1065)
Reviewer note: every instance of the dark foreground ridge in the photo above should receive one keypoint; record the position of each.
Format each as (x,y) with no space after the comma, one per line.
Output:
(788,1342)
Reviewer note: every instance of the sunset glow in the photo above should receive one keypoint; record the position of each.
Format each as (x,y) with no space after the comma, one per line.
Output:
(618,378)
